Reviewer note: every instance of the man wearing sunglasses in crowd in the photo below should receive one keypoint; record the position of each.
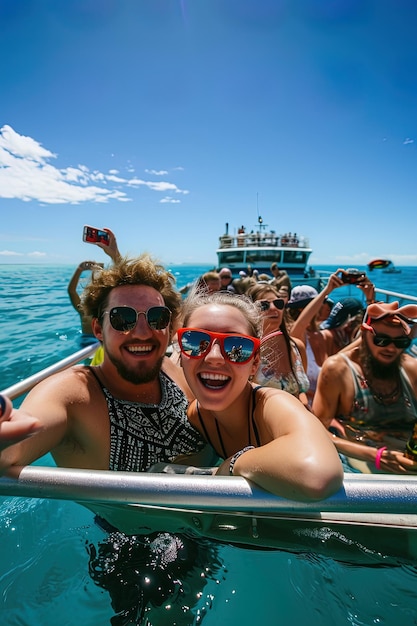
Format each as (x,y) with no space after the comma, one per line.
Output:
(369,391)
(127,413)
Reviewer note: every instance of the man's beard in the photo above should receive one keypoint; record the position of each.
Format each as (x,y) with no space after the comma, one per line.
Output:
(136,376)
(372,367)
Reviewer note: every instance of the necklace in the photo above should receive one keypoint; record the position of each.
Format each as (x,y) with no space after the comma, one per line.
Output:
(250,421)
(384,398)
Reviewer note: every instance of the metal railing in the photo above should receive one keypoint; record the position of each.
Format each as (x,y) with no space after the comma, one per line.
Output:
(18,389)
(385,294)
(375,499)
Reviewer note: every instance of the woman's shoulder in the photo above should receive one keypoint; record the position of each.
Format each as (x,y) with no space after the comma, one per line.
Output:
(267,393)
(299,343)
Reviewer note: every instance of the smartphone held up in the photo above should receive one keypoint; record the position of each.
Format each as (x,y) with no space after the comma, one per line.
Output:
(95,235)
(352,276)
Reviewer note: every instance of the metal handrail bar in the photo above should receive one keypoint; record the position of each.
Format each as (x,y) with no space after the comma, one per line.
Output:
(361,493)
(395,295)
(18,389)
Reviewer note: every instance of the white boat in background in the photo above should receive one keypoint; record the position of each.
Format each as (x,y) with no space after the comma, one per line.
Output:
(257,249)
(391,269)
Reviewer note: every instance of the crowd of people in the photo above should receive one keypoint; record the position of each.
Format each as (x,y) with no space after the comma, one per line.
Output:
(353,376)
(283,386)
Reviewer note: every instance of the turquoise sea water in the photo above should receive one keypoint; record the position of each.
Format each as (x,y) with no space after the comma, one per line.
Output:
(44,554)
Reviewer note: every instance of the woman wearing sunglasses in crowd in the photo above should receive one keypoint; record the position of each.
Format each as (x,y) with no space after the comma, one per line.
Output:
(284,362)
(263,434)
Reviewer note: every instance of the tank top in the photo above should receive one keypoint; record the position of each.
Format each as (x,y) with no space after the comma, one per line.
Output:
(293,382)
(375,424)
(313,370)
(144,434)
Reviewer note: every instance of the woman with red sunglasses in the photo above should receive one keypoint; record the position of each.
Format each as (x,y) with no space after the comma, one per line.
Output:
(263,434)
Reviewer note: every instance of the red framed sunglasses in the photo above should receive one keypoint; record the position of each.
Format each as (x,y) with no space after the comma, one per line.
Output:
(196,343)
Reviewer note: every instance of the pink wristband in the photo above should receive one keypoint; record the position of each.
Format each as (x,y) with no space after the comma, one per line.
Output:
(379,454)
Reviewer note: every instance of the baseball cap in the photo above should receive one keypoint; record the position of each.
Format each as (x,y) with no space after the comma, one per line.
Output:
(301,295)
(405,315)
(342,311)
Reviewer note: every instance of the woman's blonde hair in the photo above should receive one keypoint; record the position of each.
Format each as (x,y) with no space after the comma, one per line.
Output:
(249,310)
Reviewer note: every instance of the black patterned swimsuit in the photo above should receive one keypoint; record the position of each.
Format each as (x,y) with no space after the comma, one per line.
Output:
(144,434)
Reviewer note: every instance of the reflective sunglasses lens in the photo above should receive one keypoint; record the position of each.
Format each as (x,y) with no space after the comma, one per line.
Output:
(403,342)
(381,342)
(399,342)
(264,304)
(194,343)
(238,349)
(123,318)
(158,317)
(279,304)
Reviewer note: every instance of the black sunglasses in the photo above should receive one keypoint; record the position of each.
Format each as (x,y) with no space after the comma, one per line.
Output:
(125,318)
(279,304)
(384,340)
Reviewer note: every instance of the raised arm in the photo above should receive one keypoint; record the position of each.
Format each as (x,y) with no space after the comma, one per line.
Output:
(368,289)
(73,283)
(299,327)
(111,249)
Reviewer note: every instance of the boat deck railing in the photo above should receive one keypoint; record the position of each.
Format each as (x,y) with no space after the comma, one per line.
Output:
(262,240)
(382,294)
(23,386)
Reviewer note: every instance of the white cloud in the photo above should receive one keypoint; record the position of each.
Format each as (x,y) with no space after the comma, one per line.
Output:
(408,140)
(23,147)
(157,172)
(10,253)
(162,186)
(27,174)
(36,253)
(171,200)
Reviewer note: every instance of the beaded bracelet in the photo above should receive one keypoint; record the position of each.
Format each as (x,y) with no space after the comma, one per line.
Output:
(236,456)
(379,454)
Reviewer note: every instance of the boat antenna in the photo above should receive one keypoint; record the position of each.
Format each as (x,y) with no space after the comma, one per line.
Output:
(260,220)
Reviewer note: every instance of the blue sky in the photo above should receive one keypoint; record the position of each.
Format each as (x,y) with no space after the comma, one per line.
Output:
(165,119)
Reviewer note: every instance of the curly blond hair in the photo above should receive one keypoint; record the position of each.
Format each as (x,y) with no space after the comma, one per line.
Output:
(142,270)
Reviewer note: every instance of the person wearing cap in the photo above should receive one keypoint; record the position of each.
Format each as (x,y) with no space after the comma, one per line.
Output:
(369,392)
(226,280)
(323,326)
